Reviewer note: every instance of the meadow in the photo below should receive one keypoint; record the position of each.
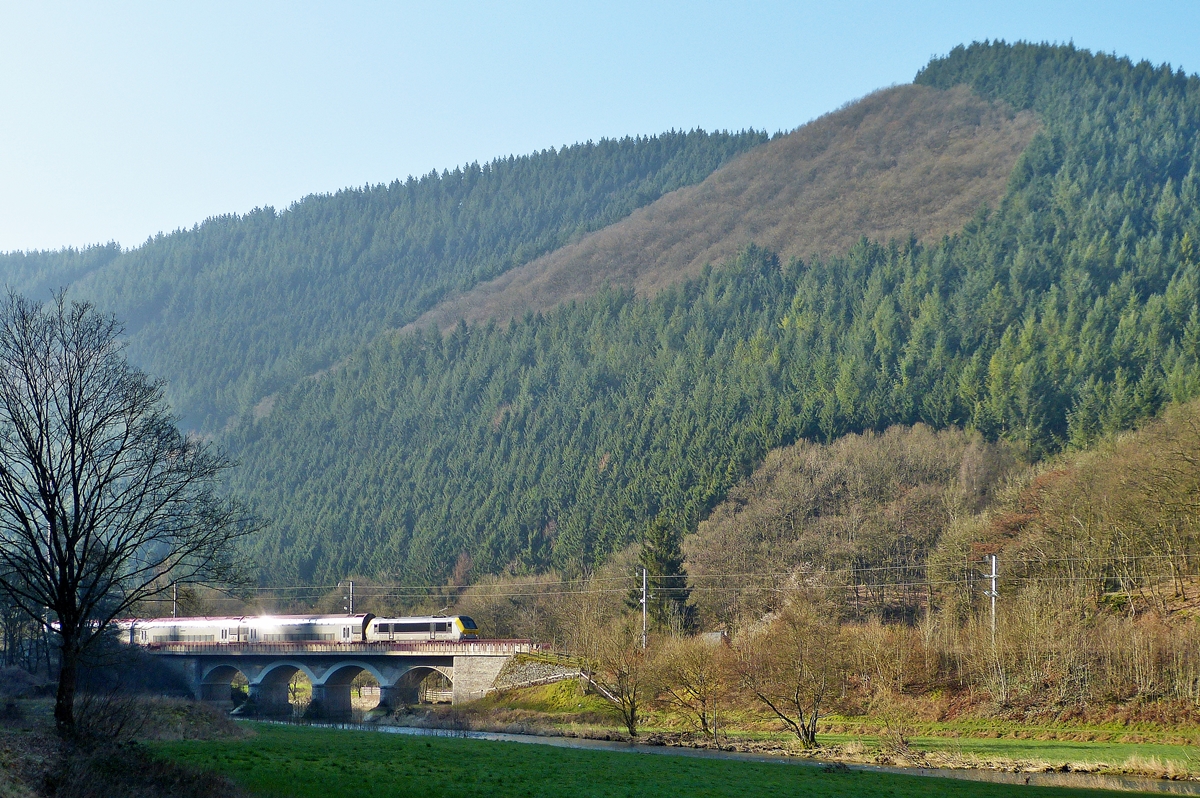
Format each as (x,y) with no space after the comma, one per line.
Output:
(302,762)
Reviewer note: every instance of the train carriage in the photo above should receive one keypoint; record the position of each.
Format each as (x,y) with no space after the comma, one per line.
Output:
(313,629)
(247,629)
(424,627)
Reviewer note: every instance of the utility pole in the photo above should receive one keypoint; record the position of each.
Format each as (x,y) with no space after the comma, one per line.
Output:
(348,597)
(643,608)
(174,599)
(993,594)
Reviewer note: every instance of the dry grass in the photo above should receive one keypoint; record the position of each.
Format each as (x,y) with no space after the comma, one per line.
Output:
(909,159)
(34,762)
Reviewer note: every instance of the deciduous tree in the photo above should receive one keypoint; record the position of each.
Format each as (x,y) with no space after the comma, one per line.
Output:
(621,669)
(792,666)
(103,501)
(696,675)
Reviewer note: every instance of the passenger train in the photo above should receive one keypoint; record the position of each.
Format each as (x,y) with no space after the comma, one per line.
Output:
(332,629)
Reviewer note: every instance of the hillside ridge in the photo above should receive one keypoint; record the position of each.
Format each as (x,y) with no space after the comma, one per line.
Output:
(904,160)
(243,305)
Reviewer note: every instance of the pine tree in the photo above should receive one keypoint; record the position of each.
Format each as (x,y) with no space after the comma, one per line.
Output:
(662,557)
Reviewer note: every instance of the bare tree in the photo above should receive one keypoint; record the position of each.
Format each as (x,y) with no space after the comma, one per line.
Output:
(792,666)
(621,670)
(103,501)
(695,676)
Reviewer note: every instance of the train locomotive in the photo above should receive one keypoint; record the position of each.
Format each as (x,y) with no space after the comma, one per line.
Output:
(313,629)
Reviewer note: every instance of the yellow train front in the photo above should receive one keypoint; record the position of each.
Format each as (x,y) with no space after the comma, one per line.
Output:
(421,627)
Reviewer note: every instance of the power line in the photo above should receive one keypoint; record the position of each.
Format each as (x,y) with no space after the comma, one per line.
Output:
(710,583)
(363,589)
(710,589)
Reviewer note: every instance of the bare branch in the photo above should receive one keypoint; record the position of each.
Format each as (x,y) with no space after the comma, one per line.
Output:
(103,501)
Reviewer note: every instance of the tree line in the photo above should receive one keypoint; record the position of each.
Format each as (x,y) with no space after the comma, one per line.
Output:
(240,306)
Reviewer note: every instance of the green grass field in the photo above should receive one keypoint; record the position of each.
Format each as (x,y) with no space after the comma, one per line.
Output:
(1183,757)
(324,763)
(1148,758)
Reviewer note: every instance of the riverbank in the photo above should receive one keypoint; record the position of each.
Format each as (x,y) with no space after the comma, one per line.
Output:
(112,758)
(1142,750)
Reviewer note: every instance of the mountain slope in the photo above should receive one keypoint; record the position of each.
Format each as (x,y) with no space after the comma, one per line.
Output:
(910,160)
(240,306)
(1069,310)
(871,508)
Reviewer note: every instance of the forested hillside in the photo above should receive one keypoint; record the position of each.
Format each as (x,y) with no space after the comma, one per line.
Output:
(867,511)
(237,307)
(1069,309)
(908,160)
(885,537)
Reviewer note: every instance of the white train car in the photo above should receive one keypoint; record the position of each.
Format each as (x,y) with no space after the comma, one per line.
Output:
(247,629)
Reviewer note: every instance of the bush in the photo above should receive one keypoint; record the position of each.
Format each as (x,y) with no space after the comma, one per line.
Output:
(129,771)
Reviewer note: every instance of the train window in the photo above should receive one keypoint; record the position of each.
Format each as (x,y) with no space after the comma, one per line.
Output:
(467,622)
(412,627)
(224,634)
(383,628)
(345,632)
(441,627)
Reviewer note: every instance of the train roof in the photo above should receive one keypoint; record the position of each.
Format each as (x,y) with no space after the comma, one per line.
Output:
(282,620)
(392,618)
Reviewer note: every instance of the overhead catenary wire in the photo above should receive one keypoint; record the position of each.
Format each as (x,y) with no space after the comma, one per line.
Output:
(748,582)
(359,588)
(362,589)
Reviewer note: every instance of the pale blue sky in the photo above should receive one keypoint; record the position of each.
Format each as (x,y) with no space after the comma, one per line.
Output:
(119,120)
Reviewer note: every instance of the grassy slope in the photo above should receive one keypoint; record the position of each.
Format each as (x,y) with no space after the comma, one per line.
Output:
(301,762)
(905,160)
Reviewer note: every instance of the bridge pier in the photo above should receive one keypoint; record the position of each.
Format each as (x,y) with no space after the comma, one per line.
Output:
(216,694)
(331,702)
(270,699)
(394,696)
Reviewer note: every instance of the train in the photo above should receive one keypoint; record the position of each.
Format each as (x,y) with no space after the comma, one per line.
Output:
(331,629)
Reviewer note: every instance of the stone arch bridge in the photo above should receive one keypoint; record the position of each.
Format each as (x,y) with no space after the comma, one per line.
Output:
(471,666)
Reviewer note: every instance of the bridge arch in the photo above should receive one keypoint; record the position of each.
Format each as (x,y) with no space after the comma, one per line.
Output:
(282,671)
(333,695)
(216,683)
(344,671)
(269,694)
(422,682)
